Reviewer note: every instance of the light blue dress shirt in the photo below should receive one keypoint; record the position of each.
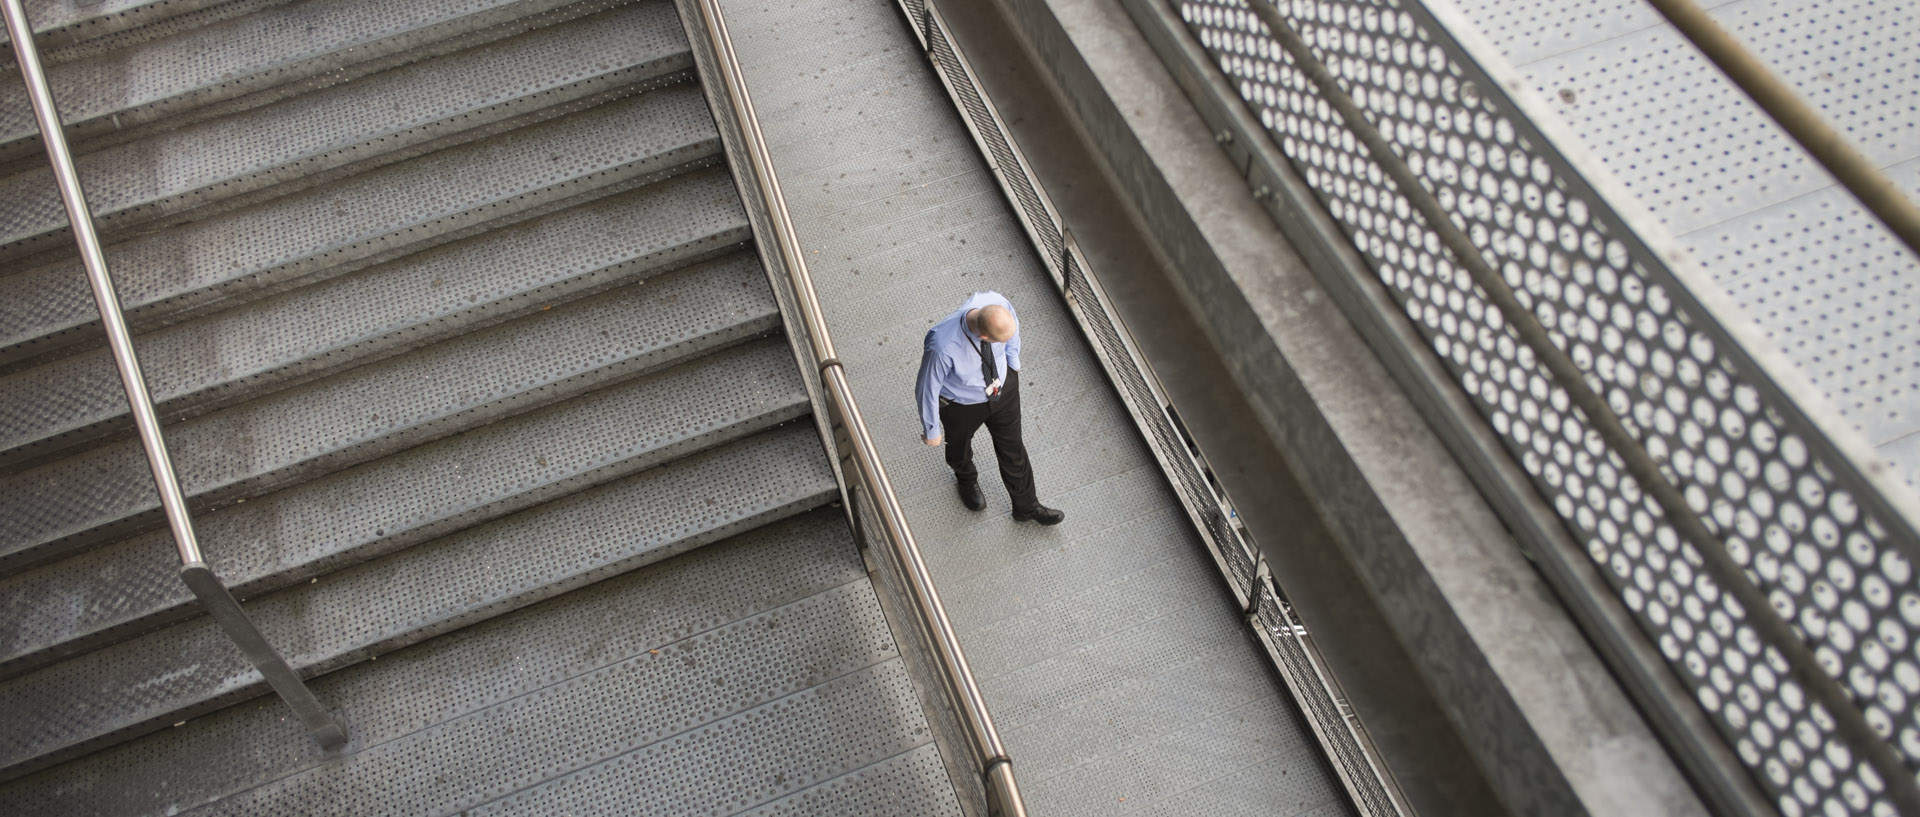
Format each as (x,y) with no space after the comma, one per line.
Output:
(950,361)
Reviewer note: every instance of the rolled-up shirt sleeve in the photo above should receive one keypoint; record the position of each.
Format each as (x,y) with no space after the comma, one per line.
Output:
(933,369)
(1013,344)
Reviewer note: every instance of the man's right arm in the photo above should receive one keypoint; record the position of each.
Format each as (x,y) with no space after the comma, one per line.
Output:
(926,391)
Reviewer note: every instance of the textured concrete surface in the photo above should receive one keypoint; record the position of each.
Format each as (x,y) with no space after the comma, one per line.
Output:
(1108,648)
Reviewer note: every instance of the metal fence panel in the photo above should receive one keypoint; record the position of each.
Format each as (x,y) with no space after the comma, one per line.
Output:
(1817,527)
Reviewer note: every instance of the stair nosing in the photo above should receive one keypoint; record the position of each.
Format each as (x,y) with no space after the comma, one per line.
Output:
(24,452)
(107,630)
(270,81)
(54,336)
(660,353)
(799,558)
(249,685)
(74,27)
(329,162)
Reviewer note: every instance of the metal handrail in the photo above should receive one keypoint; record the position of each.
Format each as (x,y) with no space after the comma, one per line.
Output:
(1851,168)
(211,591)
(1494,457)
(1350,750)
(1003,795)
(1802,666)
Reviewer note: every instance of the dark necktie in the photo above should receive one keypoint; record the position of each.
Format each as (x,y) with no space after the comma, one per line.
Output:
(988,371)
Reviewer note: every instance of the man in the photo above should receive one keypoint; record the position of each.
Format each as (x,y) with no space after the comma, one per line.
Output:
(969,377)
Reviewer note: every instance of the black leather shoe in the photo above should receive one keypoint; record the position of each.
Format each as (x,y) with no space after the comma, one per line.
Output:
(971,497)
(1041,514)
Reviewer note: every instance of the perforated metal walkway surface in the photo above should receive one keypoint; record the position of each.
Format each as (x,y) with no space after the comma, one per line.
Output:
(1830,286)
(1107,647)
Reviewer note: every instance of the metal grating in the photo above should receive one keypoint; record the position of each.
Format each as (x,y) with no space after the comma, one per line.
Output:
(416,593)
(65,20)
(400,501)
(397,403)
(1362,777)
(306,333)
(671,708)
(761,688)
(897,785)
(275,46)
(407,207)
(939,702)
(817,734)
(381,119)
(785,604)
(1832,552)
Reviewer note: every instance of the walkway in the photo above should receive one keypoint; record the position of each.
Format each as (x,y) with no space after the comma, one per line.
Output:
(1108,647)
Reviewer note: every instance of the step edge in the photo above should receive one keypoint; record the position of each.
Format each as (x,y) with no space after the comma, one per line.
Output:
(59,337)
(284,79)
(288,175)
(46,444)
(183,606)
(48,548)
(84,26)
(822,494)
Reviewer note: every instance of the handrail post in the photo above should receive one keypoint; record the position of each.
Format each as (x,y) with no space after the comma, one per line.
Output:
(213,593)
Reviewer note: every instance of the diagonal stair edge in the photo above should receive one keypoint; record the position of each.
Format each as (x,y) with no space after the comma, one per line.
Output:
(128,587)
(398,403)
(204,266)
(304,334)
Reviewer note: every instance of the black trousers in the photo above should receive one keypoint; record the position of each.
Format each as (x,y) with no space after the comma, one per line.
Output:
(1001,416)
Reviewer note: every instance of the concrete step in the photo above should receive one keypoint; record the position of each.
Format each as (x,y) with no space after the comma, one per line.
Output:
(354,614)
(238,355)
(360,221)
(276,52)
(62,23)
(147,21)
(277,149)
(127,587)
(637,654)
(374,410)
(774,754)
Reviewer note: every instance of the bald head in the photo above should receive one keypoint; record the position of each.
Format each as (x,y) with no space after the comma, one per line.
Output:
(995,323)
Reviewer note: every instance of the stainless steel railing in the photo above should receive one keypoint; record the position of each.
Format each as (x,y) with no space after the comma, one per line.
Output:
(206,586)
(1801,664)
(1859,175)
(875,509)
(1727,542)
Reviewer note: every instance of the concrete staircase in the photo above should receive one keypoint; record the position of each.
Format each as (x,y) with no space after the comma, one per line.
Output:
(483,402)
